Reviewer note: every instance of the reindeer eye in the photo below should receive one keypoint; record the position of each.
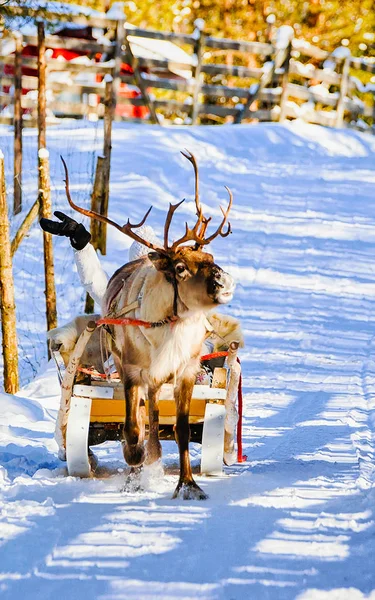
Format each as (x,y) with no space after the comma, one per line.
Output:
(180,268)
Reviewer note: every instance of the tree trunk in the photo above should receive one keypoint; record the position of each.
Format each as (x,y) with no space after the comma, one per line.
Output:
(7,304)
(41,87)
(46,211)
(108,118)
(17,121)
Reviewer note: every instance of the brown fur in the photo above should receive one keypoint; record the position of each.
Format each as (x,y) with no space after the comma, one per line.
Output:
(150,357)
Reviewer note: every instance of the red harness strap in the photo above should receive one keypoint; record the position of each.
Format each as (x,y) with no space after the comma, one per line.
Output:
(124,321)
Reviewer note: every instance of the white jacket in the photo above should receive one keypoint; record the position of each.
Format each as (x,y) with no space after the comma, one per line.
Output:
(91,273)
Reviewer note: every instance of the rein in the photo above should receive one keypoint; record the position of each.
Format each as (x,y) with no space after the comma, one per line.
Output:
(136,322)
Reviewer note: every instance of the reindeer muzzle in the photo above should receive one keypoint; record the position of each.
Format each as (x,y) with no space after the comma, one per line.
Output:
(222,286)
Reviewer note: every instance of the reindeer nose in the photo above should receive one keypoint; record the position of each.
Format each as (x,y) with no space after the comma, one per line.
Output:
(224,286)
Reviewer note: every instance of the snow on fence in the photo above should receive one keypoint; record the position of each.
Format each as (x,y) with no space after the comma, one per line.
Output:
(162,76)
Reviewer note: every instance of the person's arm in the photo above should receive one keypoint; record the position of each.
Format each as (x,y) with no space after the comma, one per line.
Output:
(90,271)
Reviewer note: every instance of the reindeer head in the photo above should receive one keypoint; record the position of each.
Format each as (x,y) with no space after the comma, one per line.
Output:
(197,280)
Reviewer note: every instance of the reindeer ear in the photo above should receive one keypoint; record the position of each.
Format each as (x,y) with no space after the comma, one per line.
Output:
(160,261)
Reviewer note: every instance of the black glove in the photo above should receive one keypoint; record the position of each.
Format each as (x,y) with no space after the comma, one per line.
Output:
(78,234)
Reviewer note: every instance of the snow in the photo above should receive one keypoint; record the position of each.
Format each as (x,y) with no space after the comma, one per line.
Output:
(284,35)
(297,520)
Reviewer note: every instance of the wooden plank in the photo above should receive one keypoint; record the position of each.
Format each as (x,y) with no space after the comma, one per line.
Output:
(163,64)
(309,72)
(74,67)
(161,35)
(363,64)
(263,115)
(171,105)
(178,85)
(218,110)
(317,117)
(308,49)
(28,82)
(54,41)
(235,71)
(77,88)
(305,93)
(242,46)
(68,108)
(219,379)
(27,61)
(113,411)
(92,391)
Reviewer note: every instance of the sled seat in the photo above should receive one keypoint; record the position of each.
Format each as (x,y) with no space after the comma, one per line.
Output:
(108,403)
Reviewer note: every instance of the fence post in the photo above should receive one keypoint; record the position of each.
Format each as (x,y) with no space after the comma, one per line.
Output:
(200,37)
(344,84)
(107,147)
(17,123)
(284,40)
(7,304)
(120,40)
(41,87)
(46,211)
(281,54)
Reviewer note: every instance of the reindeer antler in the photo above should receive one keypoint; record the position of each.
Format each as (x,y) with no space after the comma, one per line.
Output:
(193,161)
(127,228)
(196,234)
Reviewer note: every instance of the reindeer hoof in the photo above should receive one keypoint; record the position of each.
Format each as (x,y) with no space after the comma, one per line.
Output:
(189,491)
(134,455)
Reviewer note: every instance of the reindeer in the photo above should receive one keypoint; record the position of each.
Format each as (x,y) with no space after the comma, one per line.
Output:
(173,287)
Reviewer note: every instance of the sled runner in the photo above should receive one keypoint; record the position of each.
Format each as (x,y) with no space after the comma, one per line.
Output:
(92,410)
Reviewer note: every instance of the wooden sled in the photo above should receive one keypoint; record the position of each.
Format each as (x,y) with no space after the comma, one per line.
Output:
(94,412)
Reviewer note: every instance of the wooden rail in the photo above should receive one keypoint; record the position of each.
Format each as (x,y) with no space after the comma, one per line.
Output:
(264,90)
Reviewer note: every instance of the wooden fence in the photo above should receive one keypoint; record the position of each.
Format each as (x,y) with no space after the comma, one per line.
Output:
(225,80)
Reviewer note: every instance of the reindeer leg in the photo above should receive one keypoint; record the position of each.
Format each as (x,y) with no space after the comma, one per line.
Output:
(186,488)
(153,447)
(133,448)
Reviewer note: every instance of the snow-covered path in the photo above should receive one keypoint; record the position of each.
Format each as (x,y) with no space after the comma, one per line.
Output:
(297,520)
